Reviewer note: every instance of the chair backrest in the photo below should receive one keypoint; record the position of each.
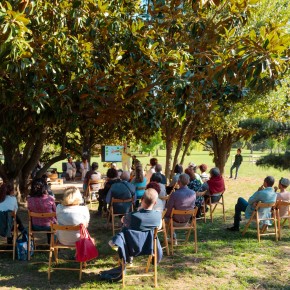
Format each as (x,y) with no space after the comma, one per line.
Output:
(41,214)
(56,227)
(163,213)
(120,202)
(283,206)
(185,213)
(265,205)
(140,188)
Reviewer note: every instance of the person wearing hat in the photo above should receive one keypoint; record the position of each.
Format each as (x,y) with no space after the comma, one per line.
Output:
(283,194)
(265,194)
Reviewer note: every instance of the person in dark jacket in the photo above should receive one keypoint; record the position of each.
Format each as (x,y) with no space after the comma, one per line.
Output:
(237,163)
(121,190)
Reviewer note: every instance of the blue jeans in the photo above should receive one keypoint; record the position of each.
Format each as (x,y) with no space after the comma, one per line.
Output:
(237,168)
(42,228)
(239,208)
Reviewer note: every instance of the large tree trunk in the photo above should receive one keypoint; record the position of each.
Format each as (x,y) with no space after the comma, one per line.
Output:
(221,148)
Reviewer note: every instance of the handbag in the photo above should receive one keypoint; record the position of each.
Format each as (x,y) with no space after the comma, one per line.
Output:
(22,247)
(85,247)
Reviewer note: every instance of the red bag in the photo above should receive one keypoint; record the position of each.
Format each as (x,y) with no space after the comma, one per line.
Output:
(85,247)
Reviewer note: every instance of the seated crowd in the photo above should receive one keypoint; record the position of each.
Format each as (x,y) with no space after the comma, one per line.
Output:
(147,190)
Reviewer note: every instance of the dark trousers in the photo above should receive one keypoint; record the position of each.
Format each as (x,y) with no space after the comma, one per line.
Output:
(239,208)
(237,169)
(19,226)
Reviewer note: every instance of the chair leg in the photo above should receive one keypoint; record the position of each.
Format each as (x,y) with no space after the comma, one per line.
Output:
(171,237)
(81,270)
(155,263)
(113,224)
(279,227)
(246,227)
(49,263)
(195,240)
(123,273)
(29,247)
(165,237)
(15,234)
(223,205)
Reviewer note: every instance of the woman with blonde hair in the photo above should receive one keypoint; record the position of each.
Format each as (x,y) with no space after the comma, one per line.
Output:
(70,212)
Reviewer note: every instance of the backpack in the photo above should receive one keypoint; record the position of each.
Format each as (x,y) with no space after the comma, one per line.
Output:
(112,275)
(22,247)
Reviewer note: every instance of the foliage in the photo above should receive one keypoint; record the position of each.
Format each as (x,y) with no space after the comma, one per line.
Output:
(280,161)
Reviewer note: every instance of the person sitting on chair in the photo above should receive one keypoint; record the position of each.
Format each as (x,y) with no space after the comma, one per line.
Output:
(71,213)
(181,199)
(145,218)
(84,167)
(40,201)
(93,175)
(8,202)
(71,169)
(214,186)
(283,194)
(158,170)
(265,194)
(121,190)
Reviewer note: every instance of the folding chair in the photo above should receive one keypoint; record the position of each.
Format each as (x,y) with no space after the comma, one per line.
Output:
(203,206)
(284,206)
(32,233)
(213,205)
(125,270)
(255,218)
(164,231)
(14,232)
(190,225)
(112,215)
(90,191)
(55,245)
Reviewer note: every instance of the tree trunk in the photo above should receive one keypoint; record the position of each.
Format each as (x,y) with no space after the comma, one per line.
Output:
(188,141)
(221,148)
(184,128)
(169,148)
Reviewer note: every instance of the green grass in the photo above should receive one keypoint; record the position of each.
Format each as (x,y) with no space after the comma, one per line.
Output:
(225,260)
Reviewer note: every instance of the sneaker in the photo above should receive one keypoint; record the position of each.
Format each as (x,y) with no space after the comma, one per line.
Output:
(233,229)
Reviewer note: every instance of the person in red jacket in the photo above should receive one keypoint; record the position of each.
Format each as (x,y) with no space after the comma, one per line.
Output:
(214,186)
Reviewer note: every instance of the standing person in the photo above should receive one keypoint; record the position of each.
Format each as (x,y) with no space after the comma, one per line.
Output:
(71,169)
(126,157)
(265,194)
(237,163)
(84,167)
(40,201)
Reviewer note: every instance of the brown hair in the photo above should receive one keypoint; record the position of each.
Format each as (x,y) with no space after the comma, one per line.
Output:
(139,175)
(5,189)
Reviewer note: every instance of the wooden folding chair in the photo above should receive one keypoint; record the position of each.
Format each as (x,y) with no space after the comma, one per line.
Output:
(90,191)
(282,204)
(15,234)
(125,269)
(190,225)
(203,206)
(164,231)
(55,245)
(255,218)
(112,215)
(32,233)
(213,205)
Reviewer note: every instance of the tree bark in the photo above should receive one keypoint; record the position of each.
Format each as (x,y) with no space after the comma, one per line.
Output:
(183,131)
(188,141)
(169,148)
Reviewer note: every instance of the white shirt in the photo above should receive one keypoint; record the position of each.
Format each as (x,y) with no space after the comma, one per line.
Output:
(10,203)
(71,215)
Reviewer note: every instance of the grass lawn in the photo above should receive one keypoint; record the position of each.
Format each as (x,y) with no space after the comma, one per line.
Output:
(225,260)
